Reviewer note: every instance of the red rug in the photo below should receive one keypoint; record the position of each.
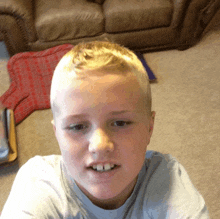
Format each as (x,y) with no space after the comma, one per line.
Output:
(31,74)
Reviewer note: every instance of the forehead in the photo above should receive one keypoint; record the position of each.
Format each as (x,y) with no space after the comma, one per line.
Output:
(94,91)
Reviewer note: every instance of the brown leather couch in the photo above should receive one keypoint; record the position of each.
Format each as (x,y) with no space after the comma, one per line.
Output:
(141,25)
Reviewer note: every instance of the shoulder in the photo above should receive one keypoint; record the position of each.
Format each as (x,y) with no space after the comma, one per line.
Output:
(168,186)
(37,188)
(160,165)
(42,175)
(39,167)
(51,161)
(161,170)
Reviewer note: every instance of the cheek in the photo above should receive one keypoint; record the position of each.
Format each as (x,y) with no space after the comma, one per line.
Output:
(71,152)
(134,150)
(63,140)
(133,161)
(69,147)
(138,139)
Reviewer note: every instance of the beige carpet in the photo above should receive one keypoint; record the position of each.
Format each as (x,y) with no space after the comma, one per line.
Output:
(187,102)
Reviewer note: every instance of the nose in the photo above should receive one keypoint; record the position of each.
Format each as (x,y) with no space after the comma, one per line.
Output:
(100,142)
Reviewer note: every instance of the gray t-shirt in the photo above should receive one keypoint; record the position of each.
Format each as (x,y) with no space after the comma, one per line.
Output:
(43,189)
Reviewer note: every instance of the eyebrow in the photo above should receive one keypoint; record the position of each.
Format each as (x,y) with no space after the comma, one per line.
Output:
(84,115)
(119,112)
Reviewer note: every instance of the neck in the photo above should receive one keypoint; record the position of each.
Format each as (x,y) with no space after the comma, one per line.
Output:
(115,202)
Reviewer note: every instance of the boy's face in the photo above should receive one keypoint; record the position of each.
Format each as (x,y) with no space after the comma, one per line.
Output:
(103,120)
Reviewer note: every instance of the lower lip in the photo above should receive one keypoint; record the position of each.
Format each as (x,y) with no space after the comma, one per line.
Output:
(103,176)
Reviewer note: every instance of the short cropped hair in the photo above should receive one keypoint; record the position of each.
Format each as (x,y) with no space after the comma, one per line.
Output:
(99,55)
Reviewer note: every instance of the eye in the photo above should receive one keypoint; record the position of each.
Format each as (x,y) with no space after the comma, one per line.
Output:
(121,123)
(77,127)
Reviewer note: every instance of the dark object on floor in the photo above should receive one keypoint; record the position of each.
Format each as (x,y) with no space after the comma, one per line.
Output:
(144,63)
(8,143)
(139,25)
(31,74)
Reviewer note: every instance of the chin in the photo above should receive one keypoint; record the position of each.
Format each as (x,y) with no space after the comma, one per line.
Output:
(104,194)
(107,200)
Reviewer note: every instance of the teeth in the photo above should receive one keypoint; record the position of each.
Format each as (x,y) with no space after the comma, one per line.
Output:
(107,166)
(101,168)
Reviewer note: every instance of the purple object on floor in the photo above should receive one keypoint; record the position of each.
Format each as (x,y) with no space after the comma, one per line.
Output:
(149,71)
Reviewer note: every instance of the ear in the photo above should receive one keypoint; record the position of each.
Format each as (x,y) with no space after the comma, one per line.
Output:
(54,127)
(152,118)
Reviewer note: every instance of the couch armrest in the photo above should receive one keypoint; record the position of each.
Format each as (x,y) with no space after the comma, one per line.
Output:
(183,8)
(179,6)
(191,17)
(23,12)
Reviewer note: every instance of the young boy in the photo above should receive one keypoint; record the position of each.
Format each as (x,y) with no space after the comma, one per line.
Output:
(101,104)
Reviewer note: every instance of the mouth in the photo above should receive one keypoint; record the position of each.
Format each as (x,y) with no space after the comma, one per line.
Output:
(103,169)
(103,176)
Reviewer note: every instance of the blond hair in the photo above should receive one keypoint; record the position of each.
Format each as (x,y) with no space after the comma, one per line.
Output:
(98,55)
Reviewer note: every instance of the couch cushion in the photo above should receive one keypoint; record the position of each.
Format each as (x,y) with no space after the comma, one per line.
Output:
(67,19)
(133,15)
